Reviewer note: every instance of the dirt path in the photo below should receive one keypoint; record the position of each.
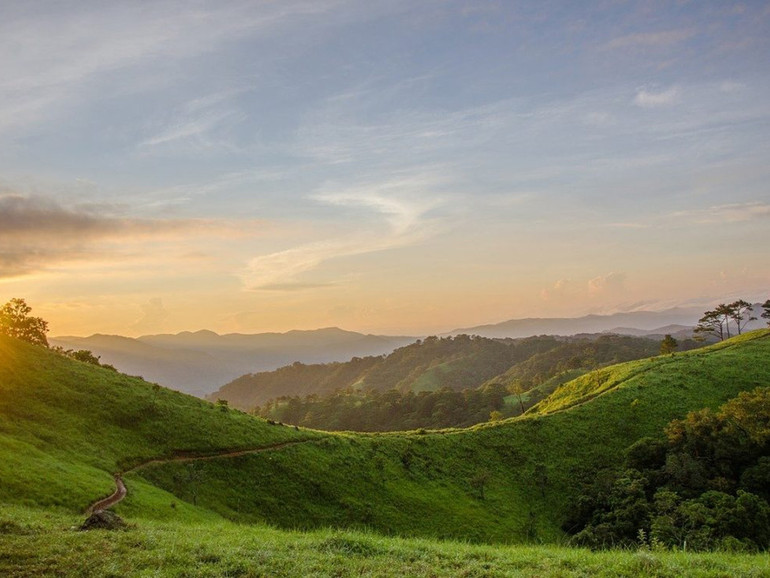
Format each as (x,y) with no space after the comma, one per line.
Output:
(119,494)
(120,486)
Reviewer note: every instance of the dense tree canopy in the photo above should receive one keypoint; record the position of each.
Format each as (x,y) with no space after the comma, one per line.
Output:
(706,485)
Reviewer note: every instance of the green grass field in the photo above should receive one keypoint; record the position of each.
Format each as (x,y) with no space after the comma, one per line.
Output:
(65,427)
(36,543)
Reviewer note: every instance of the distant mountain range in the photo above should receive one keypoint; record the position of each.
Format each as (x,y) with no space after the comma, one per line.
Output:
(199,362)
(631,323)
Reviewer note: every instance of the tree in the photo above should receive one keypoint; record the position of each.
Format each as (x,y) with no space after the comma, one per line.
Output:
(717,322)
(740,313)
(668,345)
(766,311)
(15,321)
(710,324)
(725,313)
(519,389)
(479,481)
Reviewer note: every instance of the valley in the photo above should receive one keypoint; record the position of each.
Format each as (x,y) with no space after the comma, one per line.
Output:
(187,461)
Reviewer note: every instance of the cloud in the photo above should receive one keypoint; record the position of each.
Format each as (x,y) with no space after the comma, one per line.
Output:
(402,204)
(610,283)
(200,123)
(37,232)
(730,213)
(559,289)
(154,316)
(661,39)
(77,47)
(651,99)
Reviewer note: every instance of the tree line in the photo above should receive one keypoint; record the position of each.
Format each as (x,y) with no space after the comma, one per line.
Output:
(717,322)
(392,410)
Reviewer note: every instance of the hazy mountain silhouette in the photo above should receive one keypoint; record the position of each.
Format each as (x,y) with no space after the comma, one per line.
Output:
(631,323)
(199,362)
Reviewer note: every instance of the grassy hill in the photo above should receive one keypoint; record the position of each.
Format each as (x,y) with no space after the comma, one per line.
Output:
(66,426)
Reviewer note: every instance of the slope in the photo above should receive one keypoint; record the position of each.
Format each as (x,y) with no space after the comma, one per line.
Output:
(66,426)
(495,482)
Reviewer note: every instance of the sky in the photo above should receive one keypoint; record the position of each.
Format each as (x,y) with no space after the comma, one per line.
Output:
(392,166)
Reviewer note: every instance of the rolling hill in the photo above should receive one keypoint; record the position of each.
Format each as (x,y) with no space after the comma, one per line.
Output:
(67,426)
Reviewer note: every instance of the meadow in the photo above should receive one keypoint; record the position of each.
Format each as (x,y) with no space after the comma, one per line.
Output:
(47,543)
(489,500)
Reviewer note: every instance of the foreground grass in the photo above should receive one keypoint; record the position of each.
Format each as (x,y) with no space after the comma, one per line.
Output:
(45,543)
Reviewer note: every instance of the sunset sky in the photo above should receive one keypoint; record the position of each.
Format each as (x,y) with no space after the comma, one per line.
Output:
(382,166)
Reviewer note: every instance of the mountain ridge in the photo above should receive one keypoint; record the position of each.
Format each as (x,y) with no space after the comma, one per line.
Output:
(199,362)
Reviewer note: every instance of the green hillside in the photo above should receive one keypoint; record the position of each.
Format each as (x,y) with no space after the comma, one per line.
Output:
(66,426)
(495,482)
(456,362)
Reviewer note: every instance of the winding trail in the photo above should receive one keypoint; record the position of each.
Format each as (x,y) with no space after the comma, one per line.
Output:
(120,486)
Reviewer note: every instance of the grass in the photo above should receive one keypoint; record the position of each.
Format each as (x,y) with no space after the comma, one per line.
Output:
(65,427)
(741,358)
(506,482)
(46,543)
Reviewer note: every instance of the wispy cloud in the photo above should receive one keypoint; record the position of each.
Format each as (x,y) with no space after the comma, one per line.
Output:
(154,316)
(730,213)
(200,123)
(561,288)
(610,283)
(658,39)
(403,204)
(75,46)
(653,99)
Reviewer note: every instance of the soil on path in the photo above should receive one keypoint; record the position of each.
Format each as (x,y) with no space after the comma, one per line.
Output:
(120,486)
